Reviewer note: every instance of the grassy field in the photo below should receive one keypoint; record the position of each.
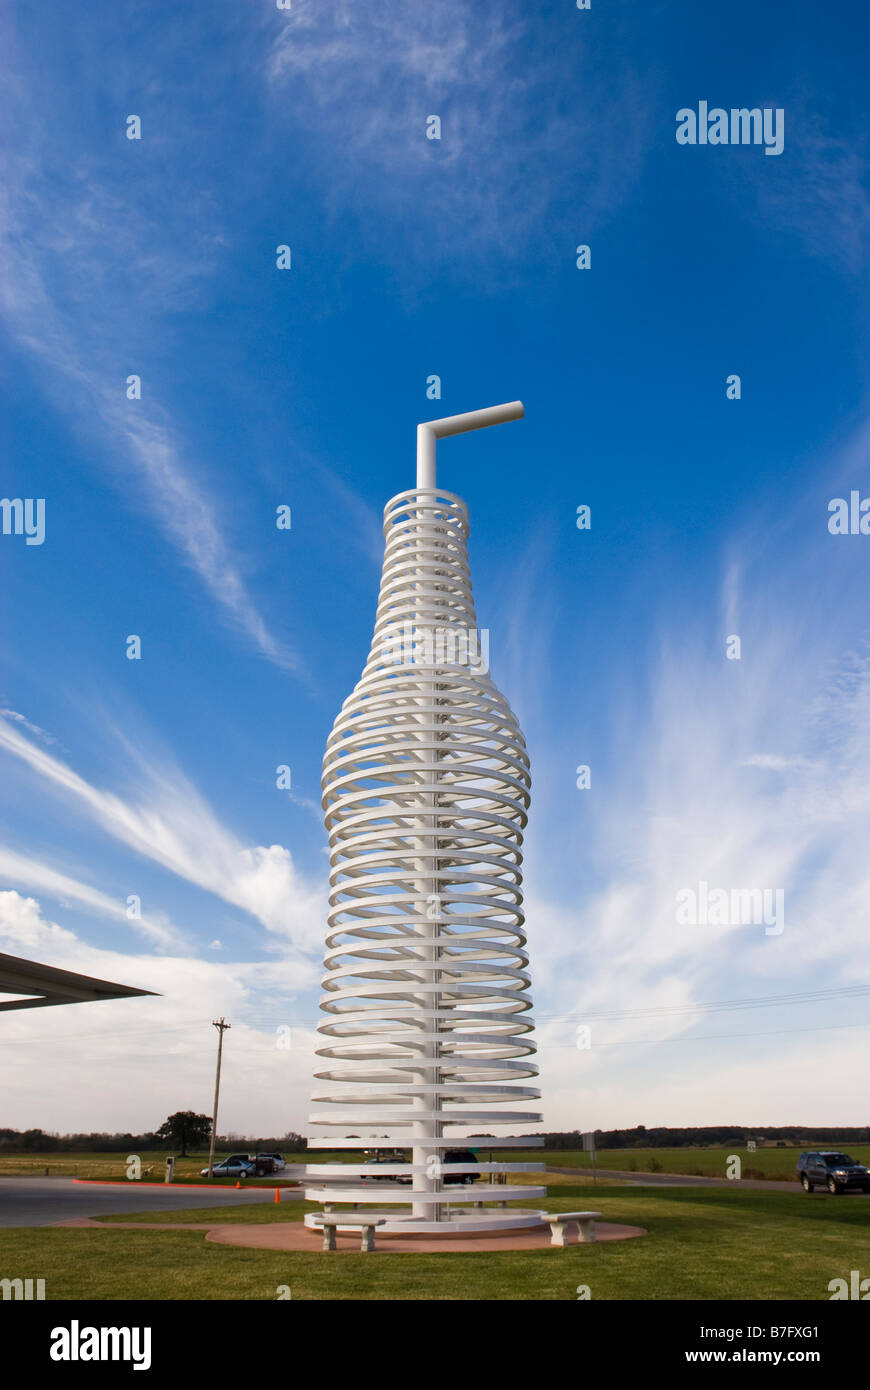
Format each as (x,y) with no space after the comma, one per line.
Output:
(112,1166)
(764,1163)
(721,1243)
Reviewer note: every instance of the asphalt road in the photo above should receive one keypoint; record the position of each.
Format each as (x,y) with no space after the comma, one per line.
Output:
(42,1201)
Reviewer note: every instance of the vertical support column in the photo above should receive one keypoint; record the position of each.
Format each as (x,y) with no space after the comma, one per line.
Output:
(428,434)
(427,884)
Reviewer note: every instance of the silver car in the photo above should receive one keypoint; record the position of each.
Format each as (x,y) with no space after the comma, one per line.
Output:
(236,1166)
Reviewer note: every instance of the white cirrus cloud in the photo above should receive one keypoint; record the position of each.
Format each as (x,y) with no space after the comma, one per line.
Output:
(363,80)
(27,872)
(70,239)
(172,825)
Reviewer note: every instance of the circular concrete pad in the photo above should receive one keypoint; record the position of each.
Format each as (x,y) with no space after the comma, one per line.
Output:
(294,1236)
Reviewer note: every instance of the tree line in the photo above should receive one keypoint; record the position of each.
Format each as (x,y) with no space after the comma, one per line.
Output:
(38,1141)
(713,1135)
(187,1130)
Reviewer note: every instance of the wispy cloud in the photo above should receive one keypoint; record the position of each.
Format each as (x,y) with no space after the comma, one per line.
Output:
(821,191)
(123,260)
(745,773)
(26,872)
(172,825)
(362,81)
(26,724)
(724,781)
(775,762)
(687,801)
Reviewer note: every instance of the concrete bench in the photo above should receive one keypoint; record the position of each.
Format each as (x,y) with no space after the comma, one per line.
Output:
(560,1222)
(366,1224)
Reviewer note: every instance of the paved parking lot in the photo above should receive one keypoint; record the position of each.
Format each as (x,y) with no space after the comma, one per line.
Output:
(42,1201)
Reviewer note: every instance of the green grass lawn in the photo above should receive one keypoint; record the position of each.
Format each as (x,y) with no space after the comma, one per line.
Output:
(723,1243)
(763,1163)
(113,1166)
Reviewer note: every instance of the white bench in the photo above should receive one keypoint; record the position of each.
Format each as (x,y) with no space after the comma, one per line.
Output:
(366,1224)
(560,1222)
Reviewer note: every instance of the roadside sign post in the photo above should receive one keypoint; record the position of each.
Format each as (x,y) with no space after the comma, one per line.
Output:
(589,1148)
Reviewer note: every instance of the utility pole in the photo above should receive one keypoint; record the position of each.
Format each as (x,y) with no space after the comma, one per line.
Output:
(220,1025)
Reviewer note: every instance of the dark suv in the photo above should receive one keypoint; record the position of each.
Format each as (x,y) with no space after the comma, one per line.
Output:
(460,1156)
(264,1164)
(831,1169)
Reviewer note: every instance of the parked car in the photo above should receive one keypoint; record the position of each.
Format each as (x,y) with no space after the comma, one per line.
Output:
(460,1156)
(831,1169)
(277,1161)
(450,1156)
(263,1164)
(386,1157)
(236,1166)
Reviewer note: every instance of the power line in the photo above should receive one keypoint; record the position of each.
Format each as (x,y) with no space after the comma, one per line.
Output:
(615,1015)
(700,1037)
(89,1037)
(721,1005)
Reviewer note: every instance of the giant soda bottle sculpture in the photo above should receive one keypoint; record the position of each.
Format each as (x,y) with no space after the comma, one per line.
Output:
(425,796)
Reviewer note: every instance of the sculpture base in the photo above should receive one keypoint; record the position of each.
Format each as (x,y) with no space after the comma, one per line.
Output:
(469,1222)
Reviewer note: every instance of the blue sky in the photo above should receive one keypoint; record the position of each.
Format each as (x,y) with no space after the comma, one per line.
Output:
(262,387)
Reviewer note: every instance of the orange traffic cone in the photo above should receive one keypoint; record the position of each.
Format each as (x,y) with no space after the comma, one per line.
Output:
(277,1195)
(238,1184)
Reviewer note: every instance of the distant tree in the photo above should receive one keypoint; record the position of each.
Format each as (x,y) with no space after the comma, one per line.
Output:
(294,1143)
(38,1142)
(183,1128)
